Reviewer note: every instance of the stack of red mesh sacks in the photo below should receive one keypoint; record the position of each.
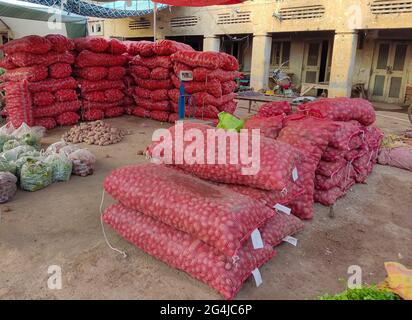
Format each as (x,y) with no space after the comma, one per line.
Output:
(213,85)
(100,71)
(151,68)
(39,87)
(129,82)
(196,220)
(352,150)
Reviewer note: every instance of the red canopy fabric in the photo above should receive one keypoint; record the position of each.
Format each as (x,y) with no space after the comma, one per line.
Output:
(198,3)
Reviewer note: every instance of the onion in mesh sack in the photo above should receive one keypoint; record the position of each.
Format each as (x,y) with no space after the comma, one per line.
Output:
(7,166)
(8,186)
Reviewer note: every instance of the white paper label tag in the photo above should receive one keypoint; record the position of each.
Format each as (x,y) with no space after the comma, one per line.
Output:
(256,239)
(282,208)
(295,175)
(257,276)
(293,241)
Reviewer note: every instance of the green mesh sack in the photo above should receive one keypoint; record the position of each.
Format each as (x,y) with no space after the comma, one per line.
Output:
(7,166)
(23,160)
(228,121)
(35,175)
(13,154)
(30,140)
(11,144)
(61,167)
(3,139)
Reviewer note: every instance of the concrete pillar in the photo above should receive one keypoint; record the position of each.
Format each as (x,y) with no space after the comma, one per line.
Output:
(261,49)
(211,43)
(343,64)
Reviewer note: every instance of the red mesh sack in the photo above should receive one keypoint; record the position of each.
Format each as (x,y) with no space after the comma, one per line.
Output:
(229,62)
(116,46)
(154,84)
(311,136)
(269,127)
(143,93)
(203,74)
(94,44)
(182,251)
(144,103)
(219,217)
(277,160)
(159,73)
(53,85)
(88,86)
(25,59)
(159,95)
(229,107)
(32,74)
(338,179)
(60,43)
(213,86)
(279,227)
(67,118)
(275,108)
(113,95)
(141,112)
(19,103)
(56,109)
(31,44)
(101,105)
(60,70)
(168,47)
(93,114)
(152,62)
(143,48)
(43,98)
(116,73)
(48,123)
(341,109)
(94,96)
(201,98)
(328,169)
(158,115)
(7,64)
(90,59)
(65,95)
(200,112)
(92,73)
(329,197)
(210,60)
(160,105)
(228,87)
(345,133)
(114,112)
(140,72)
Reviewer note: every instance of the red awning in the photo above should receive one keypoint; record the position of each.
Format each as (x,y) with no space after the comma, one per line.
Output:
(198,3)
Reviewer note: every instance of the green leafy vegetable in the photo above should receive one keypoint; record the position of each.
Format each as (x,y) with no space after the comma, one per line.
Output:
(367,293)
(35,175)
(61,167)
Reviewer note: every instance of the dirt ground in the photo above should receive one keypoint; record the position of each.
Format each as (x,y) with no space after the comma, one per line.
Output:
(60,225)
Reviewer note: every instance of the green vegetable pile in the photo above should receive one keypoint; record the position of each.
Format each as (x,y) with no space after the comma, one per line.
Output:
(367,293)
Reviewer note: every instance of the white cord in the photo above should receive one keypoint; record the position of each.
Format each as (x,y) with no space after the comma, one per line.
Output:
(104,232)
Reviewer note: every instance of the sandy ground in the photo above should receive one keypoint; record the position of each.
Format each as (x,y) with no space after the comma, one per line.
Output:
(60,225)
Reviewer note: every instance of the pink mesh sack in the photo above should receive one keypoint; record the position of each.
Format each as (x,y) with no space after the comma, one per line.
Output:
(152,62)
(341,109)
(94,44)
(143,48)
(219,217)
(25,59)
(53,85)
(269,127)
(43,98)
(140,72)
(185,252)
(158,115)
(32,74)
(168,47)
(65,95)
(60,43)
(92,73)
(275,108)
(90,59)
(277,159)
(159,73)
(31,44)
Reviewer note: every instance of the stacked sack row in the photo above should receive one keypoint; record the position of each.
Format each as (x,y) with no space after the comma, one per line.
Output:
(38,83)
(151,69)
(353,149)
(129,81)
(99,69)
(198,220)
(213,85)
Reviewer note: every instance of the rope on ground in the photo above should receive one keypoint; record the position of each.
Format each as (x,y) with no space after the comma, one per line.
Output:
(124,254)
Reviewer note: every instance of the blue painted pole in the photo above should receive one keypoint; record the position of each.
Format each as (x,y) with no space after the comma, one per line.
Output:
(181,110)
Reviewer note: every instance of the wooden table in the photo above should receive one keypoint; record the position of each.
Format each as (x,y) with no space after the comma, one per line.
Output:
(262,98)
(306,87)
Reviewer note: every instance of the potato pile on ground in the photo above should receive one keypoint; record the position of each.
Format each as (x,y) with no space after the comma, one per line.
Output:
(97,132)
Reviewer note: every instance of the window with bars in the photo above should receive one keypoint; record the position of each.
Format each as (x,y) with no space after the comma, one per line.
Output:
(280,53)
